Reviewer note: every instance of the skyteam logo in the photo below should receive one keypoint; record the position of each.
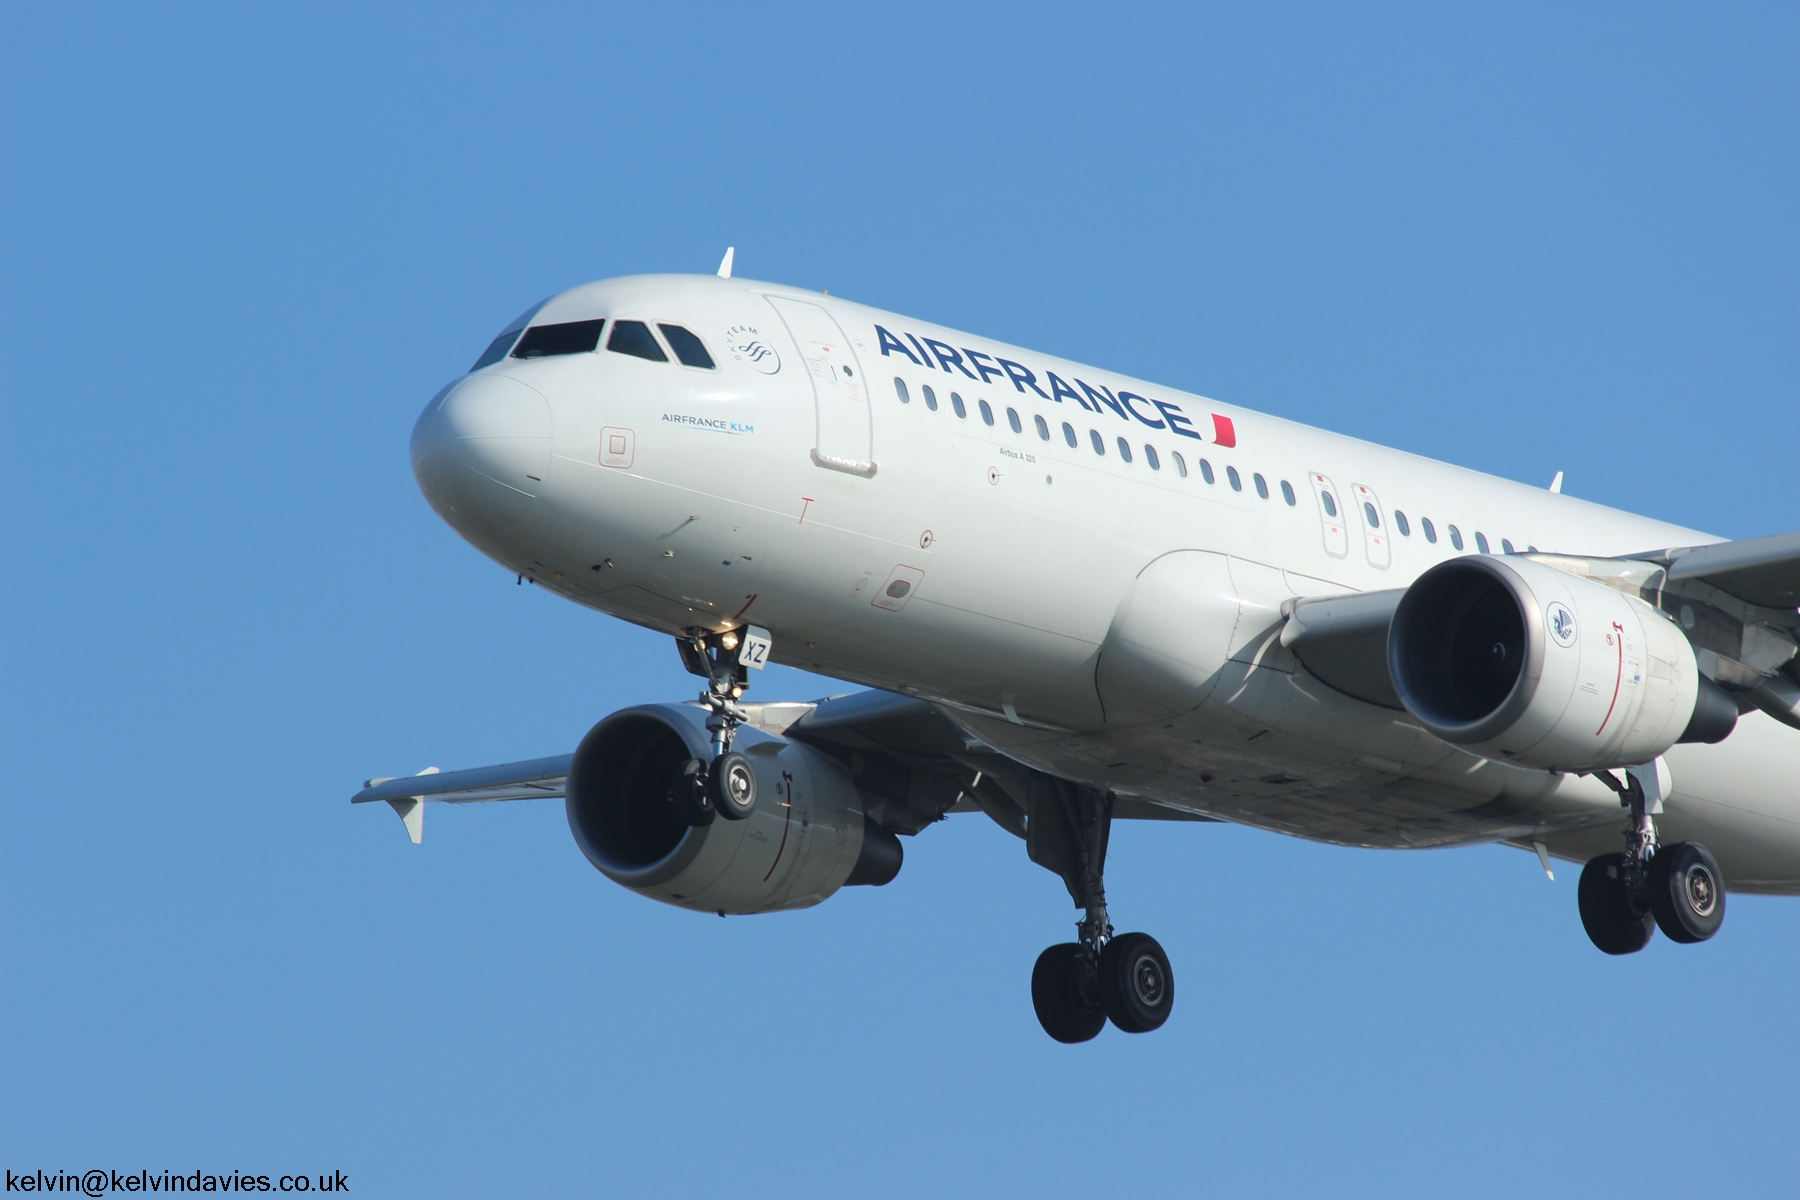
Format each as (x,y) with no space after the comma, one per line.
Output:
(748,345)
(1562,624)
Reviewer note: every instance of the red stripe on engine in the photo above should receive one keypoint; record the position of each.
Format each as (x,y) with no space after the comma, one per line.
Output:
(788,781)
(1619,632)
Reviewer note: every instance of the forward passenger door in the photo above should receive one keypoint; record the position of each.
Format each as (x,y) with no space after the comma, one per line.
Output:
(845,436)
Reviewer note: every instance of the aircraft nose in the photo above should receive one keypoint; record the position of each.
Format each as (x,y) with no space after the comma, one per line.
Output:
(482,447)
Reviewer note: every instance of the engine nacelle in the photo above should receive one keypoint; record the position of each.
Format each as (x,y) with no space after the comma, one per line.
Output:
(807,838)
(1522,663)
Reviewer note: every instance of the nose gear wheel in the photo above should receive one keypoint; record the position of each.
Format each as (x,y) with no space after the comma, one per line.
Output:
(724,785)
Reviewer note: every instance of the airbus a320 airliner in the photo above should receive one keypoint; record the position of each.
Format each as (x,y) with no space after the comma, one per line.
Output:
(1076,598)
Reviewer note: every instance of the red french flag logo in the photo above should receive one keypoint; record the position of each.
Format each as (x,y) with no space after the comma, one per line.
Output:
(1224,432)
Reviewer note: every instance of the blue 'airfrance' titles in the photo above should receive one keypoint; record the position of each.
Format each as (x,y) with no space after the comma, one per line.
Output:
(931,354)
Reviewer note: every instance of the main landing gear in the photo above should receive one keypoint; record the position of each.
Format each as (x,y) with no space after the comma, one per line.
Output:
(725,785)
(1076,987)
(1677,888)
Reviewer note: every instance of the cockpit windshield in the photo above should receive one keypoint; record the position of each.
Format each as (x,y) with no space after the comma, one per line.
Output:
(583,337)
(688,348)
(496,350)
(634,338)
(570,337)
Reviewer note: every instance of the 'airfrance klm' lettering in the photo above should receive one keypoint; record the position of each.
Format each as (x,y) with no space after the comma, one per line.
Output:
(715,424)
(932,355)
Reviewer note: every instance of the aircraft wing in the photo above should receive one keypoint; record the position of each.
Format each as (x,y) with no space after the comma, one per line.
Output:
(910,762)
(537,778)
(1763,571)
(1343,641)
(534,779)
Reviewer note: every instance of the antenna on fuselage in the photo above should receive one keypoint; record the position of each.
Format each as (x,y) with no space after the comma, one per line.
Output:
(725,263)
(1555,484)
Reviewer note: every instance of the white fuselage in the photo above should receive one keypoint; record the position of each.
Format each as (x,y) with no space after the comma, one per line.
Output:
(989,570)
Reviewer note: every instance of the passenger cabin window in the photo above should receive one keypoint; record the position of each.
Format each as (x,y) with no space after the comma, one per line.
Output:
(1180,463)
(1042,428)
(1069,434)
(1124,449)
(1481,542)
(634,338)
(1330,504)
(1429,528)
(1371,516)
(1237,484)
(496,350)
(1456,537)
(1287,493)
(1012,419)
(690,350)
(1150,457)
(570,337)
(900,390)
(1206,470)
(987,414)
(957,405)
(1262,485)
(1401,524)
(1099,442)
(930,397)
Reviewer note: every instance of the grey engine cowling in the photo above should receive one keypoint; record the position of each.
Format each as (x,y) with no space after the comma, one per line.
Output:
(1524,663)
(807,838)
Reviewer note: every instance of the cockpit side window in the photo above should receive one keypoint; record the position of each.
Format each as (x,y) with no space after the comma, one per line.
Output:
(688,347)
(634,338)
(496,350)
(570,337)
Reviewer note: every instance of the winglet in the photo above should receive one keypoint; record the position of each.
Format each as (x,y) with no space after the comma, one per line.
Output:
(1556,484)
(725,263)
(411,810)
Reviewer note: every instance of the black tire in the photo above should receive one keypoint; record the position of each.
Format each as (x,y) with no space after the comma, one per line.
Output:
(1137,985)
(688,797)
(1063,1008)
(731,786)
(1687,892)
(1614,922)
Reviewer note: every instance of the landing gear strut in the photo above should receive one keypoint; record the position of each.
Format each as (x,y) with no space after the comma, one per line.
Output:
(725,786)
(1076,987)
(1676,888)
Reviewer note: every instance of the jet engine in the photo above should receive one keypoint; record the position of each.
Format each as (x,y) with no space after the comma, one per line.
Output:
(807,837)
(1519,662)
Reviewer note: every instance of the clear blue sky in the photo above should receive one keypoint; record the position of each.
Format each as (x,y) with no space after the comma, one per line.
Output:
(242,246)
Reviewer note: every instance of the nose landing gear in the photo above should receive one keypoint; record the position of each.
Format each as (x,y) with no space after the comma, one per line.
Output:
(725,786)
(1076,987)
(1676,888)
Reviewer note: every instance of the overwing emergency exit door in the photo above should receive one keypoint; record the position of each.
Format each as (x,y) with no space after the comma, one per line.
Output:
(1331,518)
(1375,538)
(845,437)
